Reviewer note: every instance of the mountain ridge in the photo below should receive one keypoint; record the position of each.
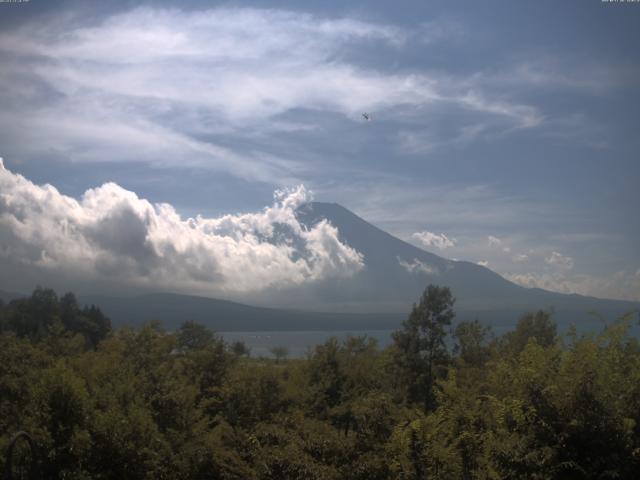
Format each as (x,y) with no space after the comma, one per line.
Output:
(475,286)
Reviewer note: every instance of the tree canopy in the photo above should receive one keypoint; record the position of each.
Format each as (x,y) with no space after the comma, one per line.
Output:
(421,353)
(147,403)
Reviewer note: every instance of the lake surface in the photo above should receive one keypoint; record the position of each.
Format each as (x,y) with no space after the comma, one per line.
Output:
(298,342)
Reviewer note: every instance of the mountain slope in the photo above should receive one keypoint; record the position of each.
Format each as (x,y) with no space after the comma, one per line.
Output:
(6,297)
(396,273)
(222,315)
(379,296)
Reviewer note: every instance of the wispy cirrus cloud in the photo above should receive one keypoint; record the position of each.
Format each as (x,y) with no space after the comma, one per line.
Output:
(209,88)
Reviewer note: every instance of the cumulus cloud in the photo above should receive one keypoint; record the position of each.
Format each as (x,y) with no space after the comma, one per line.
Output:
(483,263)
(558,260)
(430,239)
(416,266)
(112,234)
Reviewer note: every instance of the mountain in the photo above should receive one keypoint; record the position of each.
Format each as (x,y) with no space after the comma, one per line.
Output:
(379,296)
(222,315)
(396,272)
(6,297)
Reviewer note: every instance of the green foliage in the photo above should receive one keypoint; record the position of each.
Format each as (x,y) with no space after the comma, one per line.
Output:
(240,349)
(252,395)
(280,352)
(194,336)
(538,326)
(43,315)
(88,321)
(422,356)
(471,343)
(149,404)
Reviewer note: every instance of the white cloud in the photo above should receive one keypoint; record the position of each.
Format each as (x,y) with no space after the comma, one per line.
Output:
(416,266)
(157,85)
(416,142)
(619,285)
(494,241)
(558,260)
(483,263)
(525,116)
(547,281)
(520,257)
(113,235)
(430,239)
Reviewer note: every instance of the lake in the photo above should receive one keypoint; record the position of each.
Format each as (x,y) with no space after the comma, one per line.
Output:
(298,342)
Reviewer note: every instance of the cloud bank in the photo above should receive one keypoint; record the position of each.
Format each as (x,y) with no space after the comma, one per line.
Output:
(113,235)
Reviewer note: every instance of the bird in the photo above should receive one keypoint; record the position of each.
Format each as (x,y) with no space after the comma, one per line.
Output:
(366,116)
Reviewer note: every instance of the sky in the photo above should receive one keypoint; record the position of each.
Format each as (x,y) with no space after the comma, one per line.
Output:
(158,143)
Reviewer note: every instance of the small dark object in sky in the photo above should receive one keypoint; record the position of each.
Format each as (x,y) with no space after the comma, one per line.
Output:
(366,116)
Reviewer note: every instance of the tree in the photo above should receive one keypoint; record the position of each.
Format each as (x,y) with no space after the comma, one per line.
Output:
(421,351)
(3,315)
(194,336)
(43,315)
(471,342)
(326,378)
(99,325)
(34,316)
(240,349)
(536,325)
(280,352)
(90,321)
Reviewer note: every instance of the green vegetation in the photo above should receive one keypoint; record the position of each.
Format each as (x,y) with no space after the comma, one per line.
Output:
(151,404)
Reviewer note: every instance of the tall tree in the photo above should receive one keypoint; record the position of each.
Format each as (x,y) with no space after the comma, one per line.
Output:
(538,325)
(421,353)
(194,336)
(471,342)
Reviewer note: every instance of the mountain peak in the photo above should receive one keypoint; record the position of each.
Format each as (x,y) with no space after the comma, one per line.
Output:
(397,272)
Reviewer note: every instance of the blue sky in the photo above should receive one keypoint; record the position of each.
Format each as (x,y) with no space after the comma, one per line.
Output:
(504,133)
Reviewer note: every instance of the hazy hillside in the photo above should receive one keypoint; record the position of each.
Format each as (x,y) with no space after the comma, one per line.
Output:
(222,315)
(8,296)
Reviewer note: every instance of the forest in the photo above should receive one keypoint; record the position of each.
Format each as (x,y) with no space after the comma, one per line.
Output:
(446,400)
